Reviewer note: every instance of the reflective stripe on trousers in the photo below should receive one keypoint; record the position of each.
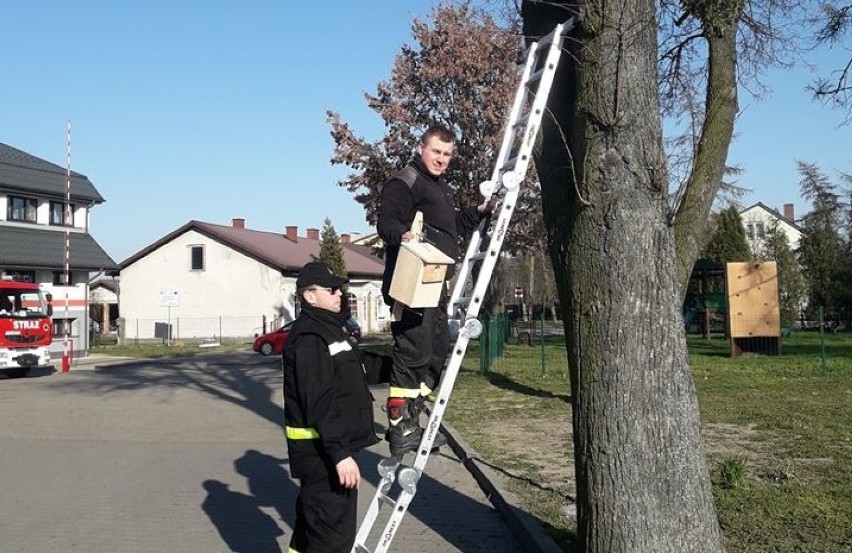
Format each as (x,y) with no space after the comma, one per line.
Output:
(411,393)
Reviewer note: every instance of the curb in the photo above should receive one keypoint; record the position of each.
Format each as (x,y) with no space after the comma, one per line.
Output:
(524,525)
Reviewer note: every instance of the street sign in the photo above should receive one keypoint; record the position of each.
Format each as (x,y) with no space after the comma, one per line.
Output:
(519,291)
(169,299)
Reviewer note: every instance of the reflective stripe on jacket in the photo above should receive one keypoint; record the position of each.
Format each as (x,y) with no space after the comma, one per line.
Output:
(294,433)
(326,392)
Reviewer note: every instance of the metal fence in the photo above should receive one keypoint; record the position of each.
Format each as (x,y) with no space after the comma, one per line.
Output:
(132,331)
(537,334)
(492,342)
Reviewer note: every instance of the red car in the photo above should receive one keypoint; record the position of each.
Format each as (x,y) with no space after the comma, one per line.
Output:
(273,342)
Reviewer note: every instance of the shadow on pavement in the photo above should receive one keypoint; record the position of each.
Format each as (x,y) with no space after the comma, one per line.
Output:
(239,520)
(240,378)
(269,482)
(250,382)
(238,517)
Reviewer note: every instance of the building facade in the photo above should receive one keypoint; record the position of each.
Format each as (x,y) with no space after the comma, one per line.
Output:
(44,238)
(760,220)
(204,282)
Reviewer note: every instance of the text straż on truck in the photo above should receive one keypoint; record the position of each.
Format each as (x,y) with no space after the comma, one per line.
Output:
(26,328)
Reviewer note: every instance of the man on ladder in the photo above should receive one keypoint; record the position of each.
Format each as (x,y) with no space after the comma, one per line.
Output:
(421,337)
(416,361)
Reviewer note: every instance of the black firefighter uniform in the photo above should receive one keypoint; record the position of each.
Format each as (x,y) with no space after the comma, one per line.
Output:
(329,417)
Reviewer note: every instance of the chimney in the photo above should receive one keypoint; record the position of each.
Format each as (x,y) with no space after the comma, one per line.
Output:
(238,223)
(789,212)
(290,233)
(313,234)
(345,238)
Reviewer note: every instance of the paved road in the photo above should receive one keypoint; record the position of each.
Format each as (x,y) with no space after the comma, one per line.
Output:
(187,456)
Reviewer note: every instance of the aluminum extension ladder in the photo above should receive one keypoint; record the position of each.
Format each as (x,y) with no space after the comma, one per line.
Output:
(483,251)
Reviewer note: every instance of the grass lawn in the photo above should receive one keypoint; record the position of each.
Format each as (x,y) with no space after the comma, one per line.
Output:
(777,432)
(176,349)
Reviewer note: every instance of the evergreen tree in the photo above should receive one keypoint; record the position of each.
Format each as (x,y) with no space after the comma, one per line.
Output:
(331,251)
(846,270)
(729,240)
(822,252)
(791,282)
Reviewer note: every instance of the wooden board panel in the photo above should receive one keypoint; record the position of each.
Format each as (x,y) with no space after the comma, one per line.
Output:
(752,290)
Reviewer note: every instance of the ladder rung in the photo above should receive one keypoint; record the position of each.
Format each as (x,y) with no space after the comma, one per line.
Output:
(387,500)
(536,76)
(478,256)
(510,164)
(361,549)
(522,123)
(542,44)
(463,301)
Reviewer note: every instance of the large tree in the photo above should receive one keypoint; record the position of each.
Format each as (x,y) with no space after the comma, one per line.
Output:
(834,27)
(846,272)
(621,254)
(461,72)
(822,251)
(622,258)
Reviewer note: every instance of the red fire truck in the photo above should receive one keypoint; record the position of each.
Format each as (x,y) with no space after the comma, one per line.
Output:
(25,327)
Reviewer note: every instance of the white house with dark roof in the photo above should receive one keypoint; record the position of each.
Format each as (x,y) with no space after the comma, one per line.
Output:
(206,281)
(103,303)
(33,226)
(759,220)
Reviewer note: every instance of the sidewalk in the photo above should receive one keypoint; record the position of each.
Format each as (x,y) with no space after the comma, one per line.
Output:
(439,474)
(95,359)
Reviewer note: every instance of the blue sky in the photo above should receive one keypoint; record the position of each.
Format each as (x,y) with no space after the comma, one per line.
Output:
(216,110)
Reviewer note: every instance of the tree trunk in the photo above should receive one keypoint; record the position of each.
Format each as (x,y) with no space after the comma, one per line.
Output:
(642,482)
(711,152)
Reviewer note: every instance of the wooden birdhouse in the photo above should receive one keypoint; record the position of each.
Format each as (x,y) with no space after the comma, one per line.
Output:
(418,278)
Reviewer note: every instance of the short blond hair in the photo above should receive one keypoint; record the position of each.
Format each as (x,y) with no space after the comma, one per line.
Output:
(441,132)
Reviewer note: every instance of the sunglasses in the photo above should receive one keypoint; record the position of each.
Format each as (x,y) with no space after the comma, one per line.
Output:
(330,289)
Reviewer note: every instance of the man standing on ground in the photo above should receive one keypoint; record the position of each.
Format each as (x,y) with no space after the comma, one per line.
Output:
(329,416)
(421,337)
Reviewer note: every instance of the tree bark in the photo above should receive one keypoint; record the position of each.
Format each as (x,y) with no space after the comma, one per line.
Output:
(710,154)
(642,482)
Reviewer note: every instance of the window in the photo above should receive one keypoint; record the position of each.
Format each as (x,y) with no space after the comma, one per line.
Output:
(750,230)
(59,326)
(23,276)
(57,214)
(197,258)
(22,209)
(760,231)
(59,278)
(353,305)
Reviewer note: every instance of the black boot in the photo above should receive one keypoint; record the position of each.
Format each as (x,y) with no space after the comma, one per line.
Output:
(404,431)
(419,405)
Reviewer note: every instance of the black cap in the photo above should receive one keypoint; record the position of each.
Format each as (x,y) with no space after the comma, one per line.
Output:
(317,273)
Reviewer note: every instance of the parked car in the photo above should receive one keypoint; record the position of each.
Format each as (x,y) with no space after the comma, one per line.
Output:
(273,342)
(353,328)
